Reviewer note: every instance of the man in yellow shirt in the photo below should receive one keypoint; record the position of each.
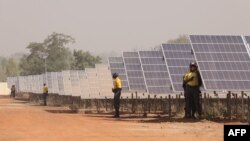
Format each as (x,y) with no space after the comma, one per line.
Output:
(45,94)
(191,84)
(117,93)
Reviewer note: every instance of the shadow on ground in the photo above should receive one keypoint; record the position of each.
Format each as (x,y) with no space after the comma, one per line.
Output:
(156,118)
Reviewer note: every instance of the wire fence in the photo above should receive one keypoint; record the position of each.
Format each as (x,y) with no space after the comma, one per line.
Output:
(235,106)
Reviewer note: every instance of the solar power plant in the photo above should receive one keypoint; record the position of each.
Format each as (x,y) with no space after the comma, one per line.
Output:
(155,72)
(223,61)
(178,58)
(116,64)
(134,72)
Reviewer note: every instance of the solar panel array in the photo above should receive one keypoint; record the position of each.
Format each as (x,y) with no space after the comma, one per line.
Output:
(155,72)
(177,57)
(224,64)
(223,61)
(134,72)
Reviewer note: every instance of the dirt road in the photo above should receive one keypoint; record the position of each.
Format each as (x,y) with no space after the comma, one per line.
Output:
(20,121)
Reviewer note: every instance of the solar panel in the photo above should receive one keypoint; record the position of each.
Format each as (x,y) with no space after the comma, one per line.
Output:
(67,89)
(215,39)
(60,83)
(155,72)
(223,61)
(178,58)
(116,64)
(84,85)
(75,83)
(93,82)
(105,80)
(52,82)
(134,71)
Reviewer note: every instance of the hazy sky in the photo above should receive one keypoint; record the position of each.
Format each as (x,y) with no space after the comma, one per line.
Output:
(117,25)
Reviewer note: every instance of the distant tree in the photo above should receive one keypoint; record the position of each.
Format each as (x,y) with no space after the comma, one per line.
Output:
(180,39)
(8,68)
(12,68)
(3,63)
(58,56)
(32,63)
(84,59)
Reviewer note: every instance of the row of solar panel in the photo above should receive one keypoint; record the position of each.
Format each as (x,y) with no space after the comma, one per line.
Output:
(223,61)
(91,83)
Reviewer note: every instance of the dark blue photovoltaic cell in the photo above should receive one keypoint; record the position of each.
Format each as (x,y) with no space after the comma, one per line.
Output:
(155,68)
(179,62)
(226,75)
(183,55)
(219,48)
(239,57)
(223,61)
(130,54)
(155,75)
(116,65)
(247,39)
(220,39)
(178,57)
(133,67)
(177,47)
(134,71)
(154,61)
(150,54)
(132,61)
(227,85)
(178,70)
(223,66)
(155,72)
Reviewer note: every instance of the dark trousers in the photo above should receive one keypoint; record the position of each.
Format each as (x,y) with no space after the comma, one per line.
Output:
(187,104)
(117,95)
(192,101)
(45,95)
(13,94)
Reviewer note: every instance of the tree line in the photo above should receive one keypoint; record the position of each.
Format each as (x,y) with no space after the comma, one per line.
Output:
(58,57)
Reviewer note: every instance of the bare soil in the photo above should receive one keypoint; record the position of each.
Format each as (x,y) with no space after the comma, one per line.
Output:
(20,121)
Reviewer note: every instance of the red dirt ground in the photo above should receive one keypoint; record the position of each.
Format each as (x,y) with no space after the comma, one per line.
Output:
(20,121)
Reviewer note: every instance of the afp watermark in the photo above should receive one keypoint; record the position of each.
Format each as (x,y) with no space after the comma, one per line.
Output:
(236,132)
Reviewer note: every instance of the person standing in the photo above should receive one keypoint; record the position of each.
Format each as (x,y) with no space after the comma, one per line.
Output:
(192,82)
(13,91)
(45,94)
(117,93)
